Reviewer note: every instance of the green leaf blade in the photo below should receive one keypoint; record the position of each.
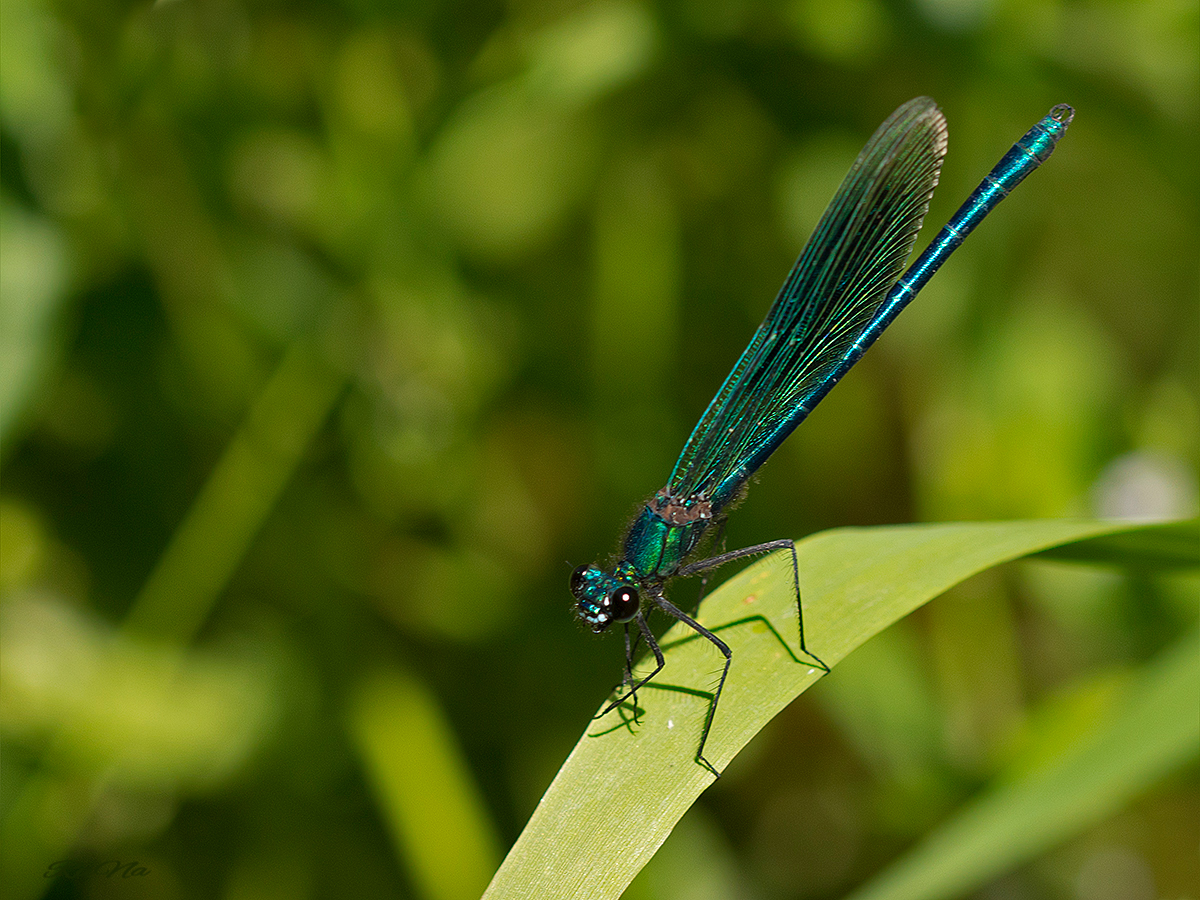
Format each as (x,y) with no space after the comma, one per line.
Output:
(622,789)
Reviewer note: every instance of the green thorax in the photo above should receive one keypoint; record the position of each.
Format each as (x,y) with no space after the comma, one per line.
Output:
(662,536)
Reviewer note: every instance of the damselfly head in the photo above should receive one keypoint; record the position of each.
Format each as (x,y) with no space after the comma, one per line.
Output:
(602,598)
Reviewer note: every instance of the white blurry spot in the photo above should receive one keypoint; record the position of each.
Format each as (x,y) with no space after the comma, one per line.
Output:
(670,724)
(1145,485)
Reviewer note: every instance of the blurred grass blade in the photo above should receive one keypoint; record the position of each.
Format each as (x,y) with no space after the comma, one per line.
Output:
(423,787)
(622,789)
(179,594)
(241,492)
(35,268)
(1155,731)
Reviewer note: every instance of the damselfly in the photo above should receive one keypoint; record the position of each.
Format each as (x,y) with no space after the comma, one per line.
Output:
(843,291)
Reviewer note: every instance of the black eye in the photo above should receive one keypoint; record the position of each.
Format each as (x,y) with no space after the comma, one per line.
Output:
(578,580)
(623,604)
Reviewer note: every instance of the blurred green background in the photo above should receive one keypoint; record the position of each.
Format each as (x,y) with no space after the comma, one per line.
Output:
(335,335)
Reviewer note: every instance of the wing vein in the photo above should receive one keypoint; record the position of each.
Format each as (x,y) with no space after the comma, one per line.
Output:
(831,296)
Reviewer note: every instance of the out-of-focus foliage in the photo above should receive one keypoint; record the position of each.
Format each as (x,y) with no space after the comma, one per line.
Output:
(331,332)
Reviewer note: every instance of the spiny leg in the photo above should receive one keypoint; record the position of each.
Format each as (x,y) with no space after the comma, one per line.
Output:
(800,609)
(630,649)
(712,562)
(703,565)
(627,674)
(659,661)
(671,609)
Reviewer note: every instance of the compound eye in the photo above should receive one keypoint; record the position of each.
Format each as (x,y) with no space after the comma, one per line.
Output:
(623,603)
(578,580)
